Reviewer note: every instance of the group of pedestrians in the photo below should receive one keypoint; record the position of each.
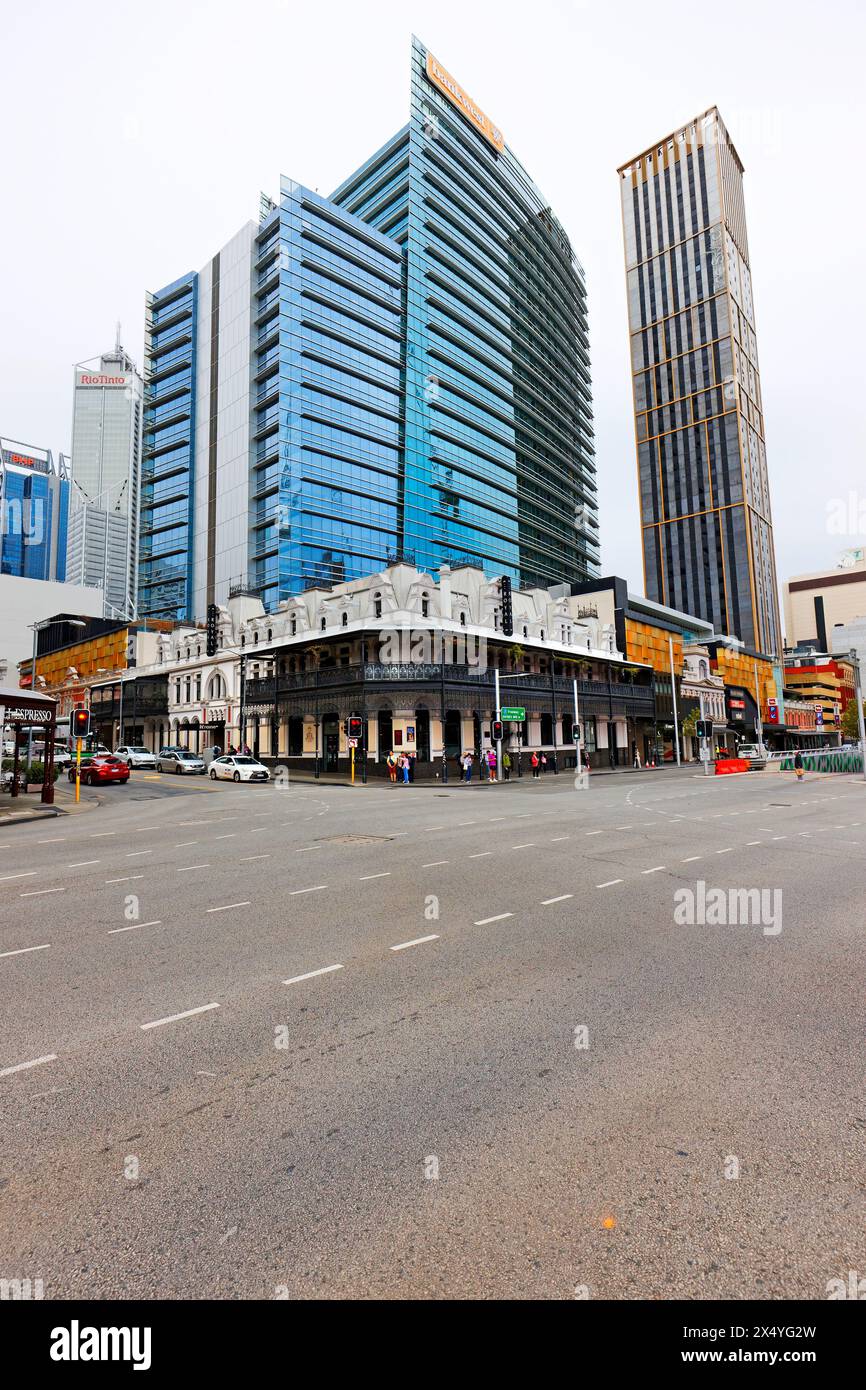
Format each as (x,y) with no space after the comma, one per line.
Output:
(539,764)
(401,767)
(488,766)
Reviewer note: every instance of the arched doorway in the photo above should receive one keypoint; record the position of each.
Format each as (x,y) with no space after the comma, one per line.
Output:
(331,740)
(385,734)
(422,734)
(453,733)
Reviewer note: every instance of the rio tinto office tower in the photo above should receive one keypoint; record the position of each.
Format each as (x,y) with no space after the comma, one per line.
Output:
(704,492)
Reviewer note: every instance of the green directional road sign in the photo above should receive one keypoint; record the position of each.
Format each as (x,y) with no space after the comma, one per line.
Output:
(515,714)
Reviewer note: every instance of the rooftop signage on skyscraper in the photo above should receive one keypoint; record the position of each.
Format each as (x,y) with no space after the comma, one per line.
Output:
(464,103)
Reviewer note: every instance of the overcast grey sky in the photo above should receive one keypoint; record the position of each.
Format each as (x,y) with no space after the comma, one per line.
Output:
(136,139)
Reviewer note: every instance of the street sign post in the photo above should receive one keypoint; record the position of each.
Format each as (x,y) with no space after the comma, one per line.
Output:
(513,714)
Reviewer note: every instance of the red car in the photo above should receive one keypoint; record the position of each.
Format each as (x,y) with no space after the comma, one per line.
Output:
(102,768)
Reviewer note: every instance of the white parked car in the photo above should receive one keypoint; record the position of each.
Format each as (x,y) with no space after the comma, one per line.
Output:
(179,760)
(239,767)
(134,755)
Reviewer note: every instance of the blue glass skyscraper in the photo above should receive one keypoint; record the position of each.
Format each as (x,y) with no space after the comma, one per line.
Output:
(400,369)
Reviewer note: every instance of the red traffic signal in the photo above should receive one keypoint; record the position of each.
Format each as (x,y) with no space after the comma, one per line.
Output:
(354,727)
(80,723)
(497,730)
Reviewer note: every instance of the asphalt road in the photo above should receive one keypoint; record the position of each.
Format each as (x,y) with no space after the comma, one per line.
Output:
(435,1042)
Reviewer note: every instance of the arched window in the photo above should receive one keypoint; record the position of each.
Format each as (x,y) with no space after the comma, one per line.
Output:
(425,606)
(294,627)
(703,670)
(377,605)
(216,687)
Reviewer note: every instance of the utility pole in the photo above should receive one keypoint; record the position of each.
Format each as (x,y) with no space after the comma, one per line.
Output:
(759,727)
(498,718)
(579,744)
(674,698)
(855,662)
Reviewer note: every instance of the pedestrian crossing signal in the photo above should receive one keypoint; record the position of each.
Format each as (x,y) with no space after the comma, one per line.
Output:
(497,730)
(354,727)
(575,733)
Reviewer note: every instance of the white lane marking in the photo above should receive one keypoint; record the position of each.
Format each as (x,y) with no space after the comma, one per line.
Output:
(307,848)
(483,854)
(658,868)
(103,834)
(80,863)
(157,922)
(780,837)
(248,857)
(128,879)
(173,1018)
(493,818)
(24,950)
(499,918)
(610,882)
(24,1066)
(556,838)
(595,832)
(184,844)
(434,864)
(692,857)
(260,829)
(394,834)
(418,941)
(317,889)
(232,835)
(766,829)
(623,827)
(466,822)
(31,873)
(187,867)
(365,878)
(725,851)
(434,827)
(55,840)
(141,828)
(758,842)
(311,974)
(137,853)
(38,892)
(529,845)
(228,907)
(545,902)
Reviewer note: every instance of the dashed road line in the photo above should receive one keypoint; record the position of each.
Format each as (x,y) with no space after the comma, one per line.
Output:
(500,917)
(435,864)
(610,882)
(311,974)
(529,845)
(317,889)
(419,941)
(174,1018)
(483,854)
(365,878)
(227,907)
(31,873)
(83,863)
(247,858)
(658,868)
(188,867)
(25,1066)
(546,902)
(136,926)
(38,892)
(128,878)
(25,950)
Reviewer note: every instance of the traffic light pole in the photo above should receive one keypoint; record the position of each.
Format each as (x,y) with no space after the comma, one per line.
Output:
(498,717)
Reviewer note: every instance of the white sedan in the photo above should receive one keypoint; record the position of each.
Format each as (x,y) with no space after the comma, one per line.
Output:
(239,767)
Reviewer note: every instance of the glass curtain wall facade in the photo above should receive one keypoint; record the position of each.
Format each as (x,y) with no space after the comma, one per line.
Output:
(702,469)
(34,513)
(327,432)
(166,517)
(498,447)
